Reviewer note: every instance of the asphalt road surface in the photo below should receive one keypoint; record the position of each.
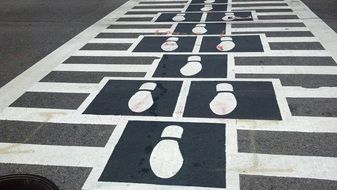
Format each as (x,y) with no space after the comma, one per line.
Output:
(162,94)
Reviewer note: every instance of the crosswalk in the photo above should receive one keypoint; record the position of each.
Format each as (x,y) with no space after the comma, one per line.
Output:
(249,87)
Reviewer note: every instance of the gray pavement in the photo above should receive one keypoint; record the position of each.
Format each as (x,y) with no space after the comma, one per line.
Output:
(326,10)
(31,29)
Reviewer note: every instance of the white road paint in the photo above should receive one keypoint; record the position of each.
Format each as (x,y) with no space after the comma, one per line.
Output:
(102,67)
(237,163)
(112,40)
(292,39)
(319,70)
(63,87)
(49,154)
(269,29)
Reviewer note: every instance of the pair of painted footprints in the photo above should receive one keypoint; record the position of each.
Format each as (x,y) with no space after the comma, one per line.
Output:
(226,43)
(208,7)
(222,104)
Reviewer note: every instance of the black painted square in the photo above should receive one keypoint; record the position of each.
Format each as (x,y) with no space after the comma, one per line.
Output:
(202,147)
(255,100)
(213,66)
(198,28)
(207,7)
(251,43)
(114,98)
(154,44)
(169,17)
(240,16)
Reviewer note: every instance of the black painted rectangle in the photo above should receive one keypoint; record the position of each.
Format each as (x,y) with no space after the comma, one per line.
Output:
(287,143)
(110,60)
(256,182)
(255,100)
(202,148)
(304,80)
(115,97)
(220,16)
(196,29)
(209,7)
(170,17)
(65,134)
(50,100)
(250,43)
(86,77)
(213,66)
(285,60)
(313,107)
(155,43)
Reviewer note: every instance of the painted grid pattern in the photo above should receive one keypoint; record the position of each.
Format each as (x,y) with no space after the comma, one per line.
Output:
(290,43)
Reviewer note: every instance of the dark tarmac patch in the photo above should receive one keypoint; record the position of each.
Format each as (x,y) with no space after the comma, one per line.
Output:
(114,98)
(202,147)
(213,66)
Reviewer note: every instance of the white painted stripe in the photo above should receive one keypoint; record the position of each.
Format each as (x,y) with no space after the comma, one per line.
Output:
(270,29)
(162,4)
(309,53)
(262,7)
(49,155)
(275,13)
(181,102)
(103,67)
(127,23)
(319,70)
(300,92)
(286,166)
(253,21)
(232,176)
(112,40)
(145,30)
(268,21)
(300,124)
(55,116)
(281,101)
(292,39)
(64,87)
(138,16)
(296,124)
(257,2)
(163,1)
(157,10)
